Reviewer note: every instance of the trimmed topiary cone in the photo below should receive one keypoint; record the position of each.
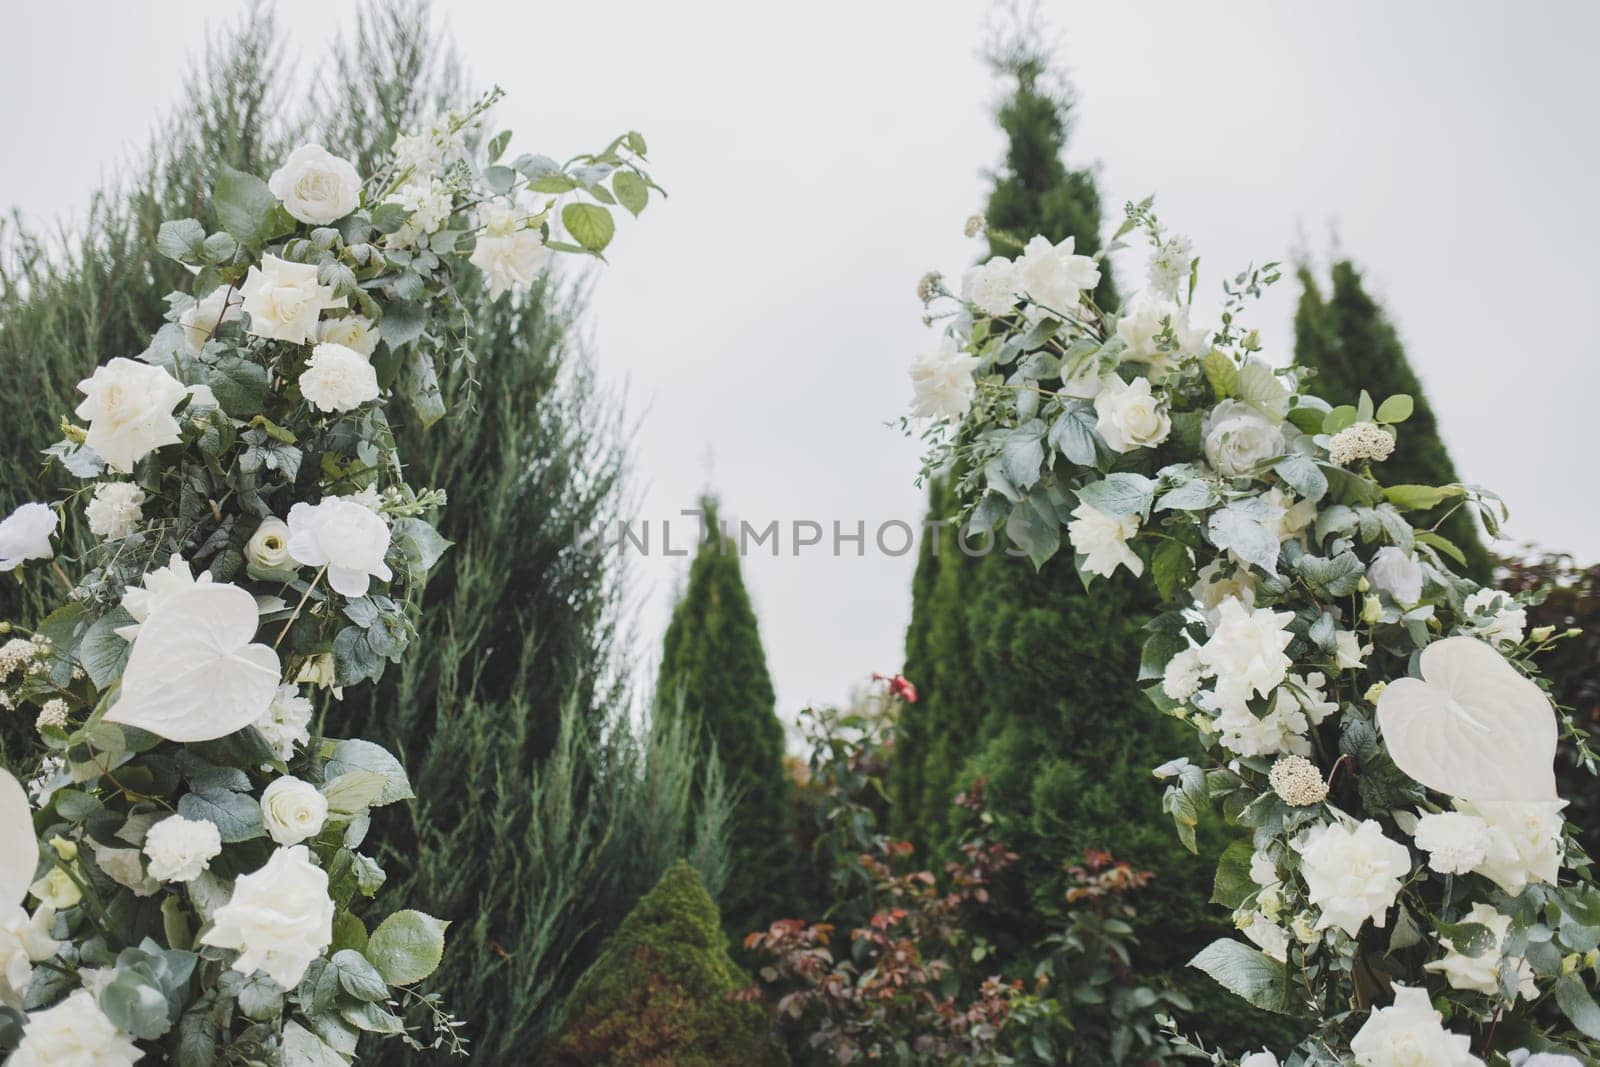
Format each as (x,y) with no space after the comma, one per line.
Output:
(661,993)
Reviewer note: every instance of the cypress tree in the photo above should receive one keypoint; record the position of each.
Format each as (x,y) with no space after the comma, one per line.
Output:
(713,670)
(1352,345)
(661,992)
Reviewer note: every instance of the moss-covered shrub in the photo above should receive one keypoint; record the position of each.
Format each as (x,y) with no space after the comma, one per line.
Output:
(664,991)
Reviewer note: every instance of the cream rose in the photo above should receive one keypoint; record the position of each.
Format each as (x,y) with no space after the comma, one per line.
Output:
(1129,417)
(1055,275)
(1238,439)
(992,288)
(316,186)
(129,407)
(942,385)
(287,721)
(1396,573)
(24,941)
(1410,1033)
(201,320)
(284,300)
(293,810)
(279,917)
(352,331)
(1102,540)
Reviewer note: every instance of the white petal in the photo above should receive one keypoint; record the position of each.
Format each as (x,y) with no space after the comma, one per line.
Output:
(19,847)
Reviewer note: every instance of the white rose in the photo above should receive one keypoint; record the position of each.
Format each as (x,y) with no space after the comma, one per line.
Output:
(284,300)
(181,849)
(268,547)
(344,537)
(1410,1033)
(1502,622)
(352,331)
(1246,652)
(509,262)
(315,186)
(24,941)
(1481,973)
(57,889)
(25,534)
(1352,875)
(942,385)
(1525,841)
(1054,275)
(1238,439)
(129,407)
(1455,842)
(114,510)
(1128,417)
(1103,540)
(73,1033)
(202,318)
(293,810)
(337,378)
(1395,573)
(992,288)
(1182,675)
(286,724)
(279,917)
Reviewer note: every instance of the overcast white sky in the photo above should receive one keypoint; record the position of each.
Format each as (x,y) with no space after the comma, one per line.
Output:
(821,156)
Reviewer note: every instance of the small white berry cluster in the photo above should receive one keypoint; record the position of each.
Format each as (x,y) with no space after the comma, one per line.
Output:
(1363,440)
(1297,781)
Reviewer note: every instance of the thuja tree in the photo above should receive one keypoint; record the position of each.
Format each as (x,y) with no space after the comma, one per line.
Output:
(1373,727)
(1347,339)
(714,675)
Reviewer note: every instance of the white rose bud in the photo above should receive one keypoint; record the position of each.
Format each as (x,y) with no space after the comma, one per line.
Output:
(293,810)
(315,186)
(268,547)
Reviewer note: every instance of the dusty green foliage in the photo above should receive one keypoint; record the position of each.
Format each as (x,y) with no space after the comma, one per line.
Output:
(664,991)
(714,669)
(1352,344)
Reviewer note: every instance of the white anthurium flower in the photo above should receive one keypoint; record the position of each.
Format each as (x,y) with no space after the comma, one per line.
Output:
(25,534)
(1410,1033)
(284,300)
(1260,1059)
(1128,417)
(511,261)
(195,672)
(129,405)
(316,186)
(279,918)
(1352,874)
(346,538)
(158,585)
(942,385)
(337,378)
(19,845)
(1472,726)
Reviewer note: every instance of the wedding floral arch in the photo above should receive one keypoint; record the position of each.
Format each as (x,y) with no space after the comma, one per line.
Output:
(1374,725)
(192,836)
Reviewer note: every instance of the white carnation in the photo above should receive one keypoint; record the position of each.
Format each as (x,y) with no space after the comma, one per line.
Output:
(344,537)
(337,378)
(115,510)
(293,810)
(73,1033)
(1410,1033)
(511,261)
(1455,842)
(181,849)
(992,287)
(129,407)
(1352,875)
(1394,572)
(24,941)
(1182,675)
(942,385)
(1103,540)
(1481,973)
(1496,616)
(286,724)
(1054,275)
(203,317)
(284,300)
(1246,651)
(1128,417)
(25,534)
(352,331)
(316,186)
(279,917)
(1238,439)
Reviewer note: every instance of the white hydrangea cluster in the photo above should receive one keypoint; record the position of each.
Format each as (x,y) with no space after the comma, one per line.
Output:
(1297,781)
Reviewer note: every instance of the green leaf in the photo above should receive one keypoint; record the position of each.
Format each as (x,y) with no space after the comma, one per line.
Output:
(1032,527)
(421,385)
(1442,544)
(1397,408)
(1421,497)
(632,192)
(247,209)
(359,755)
(358,977)
(182,239)
(1169,566)
(1302,474)
(407,946)
(1246,972)
(348,932)
(237,815)
(1074,435)
(103,653)
(1338,419)
(499,179)
(1235,529)
(305,1049)
(419,543)
(1578,1005)
(589,224)
(241,386)
(1022,454)
(1221,372)
(353,792)
(1119,494)
(1331,577)
(1233,884)
(1258,386)
(137,1004)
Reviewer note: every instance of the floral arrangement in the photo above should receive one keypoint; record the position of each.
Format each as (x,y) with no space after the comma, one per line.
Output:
(1373,722)
(191,838)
